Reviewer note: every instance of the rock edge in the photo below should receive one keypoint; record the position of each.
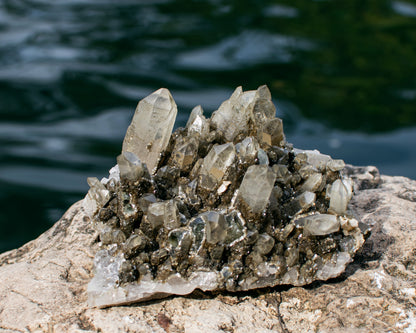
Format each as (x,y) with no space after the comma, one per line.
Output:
(44,282)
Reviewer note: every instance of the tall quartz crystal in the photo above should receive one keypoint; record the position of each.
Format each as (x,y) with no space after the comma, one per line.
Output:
(150,130)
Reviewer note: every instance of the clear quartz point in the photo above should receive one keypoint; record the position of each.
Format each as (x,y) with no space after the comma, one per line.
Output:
(215,165)
(150,130)
(233,115)
(96,197)
(256,187)
(340,194)
(197,124)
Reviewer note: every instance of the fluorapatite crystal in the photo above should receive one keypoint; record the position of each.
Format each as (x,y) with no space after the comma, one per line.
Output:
(222,204)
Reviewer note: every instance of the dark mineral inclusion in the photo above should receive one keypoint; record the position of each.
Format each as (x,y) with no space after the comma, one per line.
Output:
(222,204)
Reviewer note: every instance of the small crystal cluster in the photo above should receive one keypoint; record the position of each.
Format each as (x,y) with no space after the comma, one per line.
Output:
(222,204)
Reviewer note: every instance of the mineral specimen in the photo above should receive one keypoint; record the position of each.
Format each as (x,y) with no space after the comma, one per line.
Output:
(222,204)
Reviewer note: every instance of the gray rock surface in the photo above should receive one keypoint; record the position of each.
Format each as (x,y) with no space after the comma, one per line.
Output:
(43,283)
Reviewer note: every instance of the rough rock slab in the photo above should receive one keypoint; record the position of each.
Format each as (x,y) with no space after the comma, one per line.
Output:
(43,283)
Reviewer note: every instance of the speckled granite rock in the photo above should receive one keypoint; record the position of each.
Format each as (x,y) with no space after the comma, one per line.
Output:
(43,283)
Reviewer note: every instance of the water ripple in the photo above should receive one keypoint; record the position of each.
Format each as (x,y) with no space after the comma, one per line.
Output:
(247,48)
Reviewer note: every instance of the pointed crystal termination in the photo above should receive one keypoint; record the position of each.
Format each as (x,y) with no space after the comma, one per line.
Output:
(216,164)
(131,168)
(150,130)
(263,107)
(247,150)
(185,154)
(196,112)
(255,106)
(197,123)
(271,132)
(96,197)
(256,187)
(233,115)
(340,193)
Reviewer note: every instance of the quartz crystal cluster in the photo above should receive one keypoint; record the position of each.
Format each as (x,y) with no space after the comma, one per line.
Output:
(222,204)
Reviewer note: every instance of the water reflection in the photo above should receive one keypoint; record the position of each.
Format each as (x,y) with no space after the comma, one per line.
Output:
(249,48)
(277,10)
(72,71)
(404,8)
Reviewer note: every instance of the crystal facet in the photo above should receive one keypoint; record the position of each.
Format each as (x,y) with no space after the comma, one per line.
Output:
(340,193)
(256,187)
(197,123)
(96,197)
(131,168)
(319,224)
(216,164)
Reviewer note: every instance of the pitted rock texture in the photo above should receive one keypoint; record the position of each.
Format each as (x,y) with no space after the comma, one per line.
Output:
(222,204)
(43,283)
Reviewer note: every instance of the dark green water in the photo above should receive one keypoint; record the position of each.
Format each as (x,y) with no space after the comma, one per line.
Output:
(343,75)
